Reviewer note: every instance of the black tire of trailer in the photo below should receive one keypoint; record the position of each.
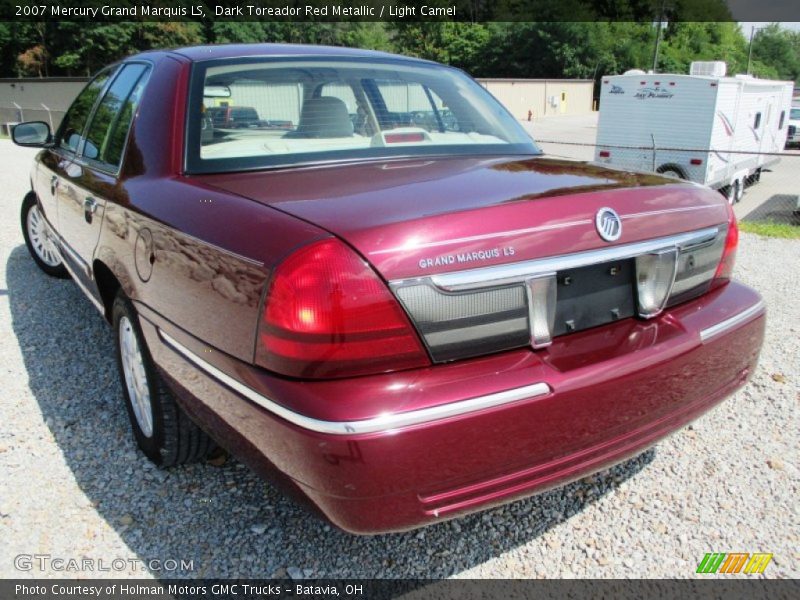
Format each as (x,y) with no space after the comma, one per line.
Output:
(672,169)
(754,178)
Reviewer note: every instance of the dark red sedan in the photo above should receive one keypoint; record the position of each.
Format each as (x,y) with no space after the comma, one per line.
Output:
(391,302)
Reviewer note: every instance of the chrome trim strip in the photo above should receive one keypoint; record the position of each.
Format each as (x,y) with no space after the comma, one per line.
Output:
(518,272)
(65,247)
(82,287)
(489,236)
(667,211)
(738,319)
(383,423)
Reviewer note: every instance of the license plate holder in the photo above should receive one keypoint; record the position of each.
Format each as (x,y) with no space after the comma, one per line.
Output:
(594,295)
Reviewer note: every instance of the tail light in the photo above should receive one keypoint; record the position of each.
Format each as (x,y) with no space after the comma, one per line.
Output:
(327,315)
(705,265)
(725,268)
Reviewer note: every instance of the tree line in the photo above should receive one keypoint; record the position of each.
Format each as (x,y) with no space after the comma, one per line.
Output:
(494,49)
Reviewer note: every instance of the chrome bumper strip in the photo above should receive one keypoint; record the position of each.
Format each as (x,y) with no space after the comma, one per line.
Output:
(383,423)
(738,319)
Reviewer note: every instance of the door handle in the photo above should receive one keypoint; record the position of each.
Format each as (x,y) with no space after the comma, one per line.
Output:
(89,209)
(53,184)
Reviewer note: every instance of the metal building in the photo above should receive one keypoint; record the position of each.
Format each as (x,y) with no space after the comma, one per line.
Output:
(543,97)
(37,99)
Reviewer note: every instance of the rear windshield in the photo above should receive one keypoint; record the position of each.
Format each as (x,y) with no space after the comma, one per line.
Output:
(259,113)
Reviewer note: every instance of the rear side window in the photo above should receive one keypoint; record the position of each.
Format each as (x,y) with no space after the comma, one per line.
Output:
(783,119)
(757,122)
(108,130)
(416,105)
(74,123)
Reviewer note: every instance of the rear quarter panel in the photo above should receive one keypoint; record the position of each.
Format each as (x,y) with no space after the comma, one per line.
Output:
(196,257)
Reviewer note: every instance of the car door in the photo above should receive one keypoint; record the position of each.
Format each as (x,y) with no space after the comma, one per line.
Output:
(54,160)
(90,177)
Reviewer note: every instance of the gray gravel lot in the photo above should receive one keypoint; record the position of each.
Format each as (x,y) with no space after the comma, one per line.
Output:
(73,484)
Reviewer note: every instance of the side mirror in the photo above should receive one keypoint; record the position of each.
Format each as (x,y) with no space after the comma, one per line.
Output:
(34,134)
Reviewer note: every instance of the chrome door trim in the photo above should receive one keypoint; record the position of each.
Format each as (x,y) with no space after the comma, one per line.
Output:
(68,252)
(76,278)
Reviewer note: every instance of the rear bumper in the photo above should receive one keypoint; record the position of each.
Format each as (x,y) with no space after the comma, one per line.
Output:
(402,450)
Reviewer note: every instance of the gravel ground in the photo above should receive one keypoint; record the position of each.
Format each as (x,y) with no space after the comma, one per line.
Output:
(75,486)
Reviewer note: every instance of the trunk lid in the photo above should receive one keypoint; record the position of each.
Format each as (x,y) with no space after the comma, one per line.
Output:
(413,218)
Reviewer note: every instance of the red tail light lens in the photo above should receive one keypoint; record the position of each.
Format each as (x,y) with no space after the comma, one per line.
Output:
(725,268)
(327,315)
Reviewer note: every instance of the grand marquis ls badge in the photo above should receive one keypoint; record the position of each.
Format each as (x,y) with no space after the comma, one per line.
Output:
(608,224)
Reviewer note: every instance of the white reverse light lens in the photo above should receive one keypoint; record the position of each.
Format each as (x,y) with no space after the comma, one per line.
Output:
(655,273)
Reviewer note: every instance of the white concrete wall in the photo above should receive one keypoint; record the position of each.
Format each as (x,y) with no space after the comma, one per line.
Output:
(543,97)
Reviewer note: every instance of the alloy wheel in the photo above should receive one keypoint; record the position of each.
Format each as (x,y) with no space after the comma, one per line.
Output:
(41,239)
(135,376)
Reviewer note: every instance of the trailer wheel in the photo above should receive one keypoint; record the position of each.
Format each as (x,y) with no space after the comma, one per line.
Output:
(738,187)
(671,171)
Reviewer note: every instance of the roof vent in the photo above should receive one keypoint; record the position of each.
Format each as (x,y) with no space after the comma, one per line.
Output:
(634,72)
(708,68)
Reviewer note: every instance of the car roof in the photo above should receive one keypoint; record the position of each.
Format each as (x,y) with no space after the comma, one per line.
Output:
(223,51)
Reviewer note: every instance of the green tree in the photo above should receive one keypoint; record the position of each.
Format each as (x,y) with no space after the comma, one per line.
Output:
(687,42)
(776,53)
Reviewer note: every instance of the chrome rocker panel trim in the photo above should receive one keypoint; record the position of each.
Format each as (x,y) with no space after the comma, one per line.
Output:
(383,423)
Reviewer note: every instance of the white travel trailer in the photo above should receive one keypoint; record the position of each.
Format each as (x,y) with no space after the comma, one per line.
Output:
(704,126)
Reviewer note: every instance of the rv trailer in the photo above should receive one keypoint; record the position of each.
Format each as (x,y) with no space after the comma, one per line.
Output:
(704,127)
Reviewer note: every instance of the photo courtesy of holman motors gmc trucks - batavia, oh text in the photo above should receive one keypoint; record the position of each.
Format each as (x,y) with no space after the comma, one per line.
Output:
(357,273)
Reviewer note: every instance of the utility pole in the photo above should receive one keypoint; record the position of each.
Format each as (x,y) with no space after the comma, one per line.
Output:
(750,49)
(658,36)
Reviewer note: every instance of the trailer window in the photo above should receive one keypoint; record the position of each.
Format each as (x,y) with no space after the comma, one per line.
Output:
(782,119)
(757,122)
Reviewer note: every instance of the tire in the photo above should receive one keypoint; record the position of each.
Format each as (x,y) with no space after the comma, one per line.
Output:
(165,434)
(37,239)
(671,170)
(673,173)
(738,190)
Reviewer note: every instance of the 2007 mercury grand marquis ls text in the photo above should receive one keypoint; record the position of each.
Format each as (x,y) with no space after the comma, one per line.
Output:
(375,289)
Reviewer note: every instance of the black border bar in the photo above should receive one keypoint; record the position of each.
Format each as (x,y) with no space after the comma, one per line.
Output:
(729,588)
(400,11)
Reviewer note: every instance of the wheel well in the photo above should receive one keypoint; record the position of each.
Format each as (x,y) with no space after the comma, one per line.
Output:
(672,167)
(107,284)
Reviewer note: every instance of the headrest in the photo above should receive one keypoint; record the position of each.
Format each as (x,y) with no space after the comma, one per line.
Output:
(325,117)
